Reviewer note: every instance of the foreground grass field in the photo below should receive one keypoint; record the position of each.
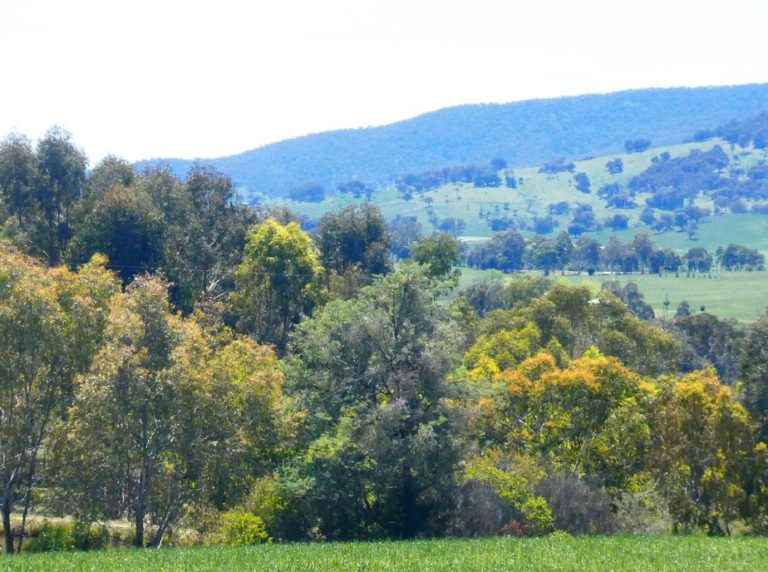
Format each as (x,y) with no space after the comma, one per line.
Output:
(653,554)
(739,295)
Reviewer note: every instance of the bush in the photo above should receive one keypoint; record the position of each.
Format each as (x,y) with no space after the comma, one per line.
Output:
(478,511)
(642,513)
(577,506)
(241,528)
(79,535)
(52,538)
(87,537)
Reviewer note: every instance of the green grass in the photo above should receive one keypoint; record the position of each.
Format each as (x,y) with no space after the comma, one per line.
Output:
(739,295)
(747,229)
(652,554)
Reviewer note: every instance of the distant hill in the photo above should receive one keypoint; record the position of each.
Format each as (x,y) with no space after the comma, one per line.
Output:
(523,134)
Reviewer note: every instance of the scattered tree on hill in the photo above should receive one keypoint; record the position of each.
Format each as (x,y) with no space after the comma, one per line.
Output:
(308,194)
(560,208)
(356,188)
(557,166)
(582,183)
(698,259)
(452,225)
(543,225)
(615,166)
(637,145)
(617,222)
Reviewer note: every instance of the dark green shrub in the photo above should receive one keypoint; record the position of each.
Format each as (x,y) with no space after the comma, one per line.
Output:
(88,537)
(52,538)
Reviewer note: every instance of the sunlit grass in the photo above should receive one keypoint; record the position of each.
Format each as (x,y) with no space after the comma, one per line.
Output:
(654,554)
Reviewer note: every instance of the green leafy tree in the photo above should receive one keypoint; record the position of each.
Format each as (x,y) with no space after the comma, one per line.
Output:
(403,231)
(644,249)
(586,253)
(703,450)
(125,420)
(61,168)
(438,253)
(206,248)
(355,236)
(278,282)
(753,373)
(111,171)
(127,227)
(51,324)
(18,177)
(169,415)
(373,372)
(584,418)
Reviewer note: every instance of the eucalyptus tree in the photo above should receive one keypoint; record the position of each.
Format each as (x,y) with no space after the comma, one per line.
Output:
(51,324)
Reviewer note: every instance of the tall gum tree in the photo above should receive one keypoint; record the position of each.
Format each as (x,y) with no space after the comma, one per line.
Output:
(277,283)
(51,323)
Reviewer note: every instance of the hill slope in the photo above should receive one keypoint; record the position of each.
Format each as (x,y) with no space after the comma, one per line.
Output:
(523,133)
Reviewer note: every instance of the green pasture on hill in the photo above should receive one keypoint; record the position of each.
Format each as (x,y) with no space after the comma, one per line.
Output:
(748,229)
(626,554)
(538,190)
(739,295)
(529,199)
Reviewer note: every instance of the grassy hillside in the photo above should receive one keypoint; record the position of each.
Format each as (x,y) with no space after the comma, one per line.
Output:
(523,133)
(652,554)
(748,229)
(538,190)
(463,200)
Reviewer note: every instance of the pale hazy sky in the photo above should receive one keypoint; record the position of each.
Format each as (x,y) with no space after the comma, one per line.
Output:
(194,78)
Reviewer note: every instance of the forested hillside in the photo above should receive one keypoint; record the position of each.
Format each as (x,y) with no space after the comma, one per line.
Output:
(523,134)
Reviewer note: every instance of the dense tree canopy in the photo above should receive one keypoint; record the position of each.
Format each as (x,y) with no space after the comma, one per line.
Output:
(207,370)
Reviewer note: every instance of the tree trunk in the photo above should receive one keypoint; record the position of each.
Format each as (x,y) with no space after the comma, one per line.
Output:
(28,493)
(140,510)
(7,530)
(410,510)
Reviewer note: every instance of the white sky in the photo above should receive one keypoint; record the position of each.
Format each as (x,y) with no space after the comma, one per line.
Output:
(200,78)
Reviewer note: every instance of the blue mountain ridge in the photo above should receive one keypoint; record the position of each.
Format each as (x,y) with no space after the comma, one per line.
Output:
(525,133)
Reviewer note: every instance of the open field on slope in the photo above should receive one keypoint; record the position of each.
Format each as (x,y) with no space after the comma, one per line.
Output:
(529,199)
(538,190)
(652,554)
(740,295)
(748,229)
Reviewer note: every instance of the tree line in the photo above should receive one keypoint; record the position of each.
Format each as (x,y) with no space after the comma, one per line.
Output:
(510,251)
